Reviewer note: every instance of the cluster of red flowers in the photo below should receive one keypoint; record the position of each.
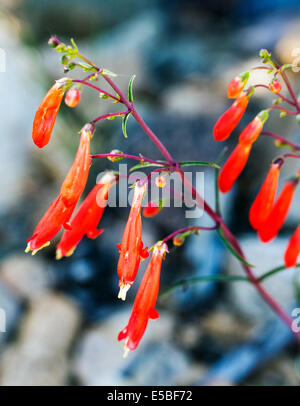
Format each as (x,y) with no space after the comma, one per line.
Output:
(86,219)
(267,215)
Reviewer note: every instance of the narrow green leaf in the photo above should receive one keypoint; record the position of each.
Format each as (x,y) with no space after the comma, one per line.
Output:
(124,123)
(199,163)
(231,249)
(108,73)
(130,94)
(209,278)
(146,165)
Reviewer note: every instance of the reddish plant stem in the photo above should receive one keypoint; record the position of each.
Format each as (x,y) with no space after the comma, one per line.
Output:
(291,155)
(293,113)
(137,158)
(83,81)
(281,139)
(227,233)
(288,85)
(186,229)
(277,94)
(104,116)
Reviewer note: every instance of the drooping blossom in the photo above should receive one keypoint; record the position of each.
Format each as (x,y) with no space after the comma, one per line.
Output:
(230,119)
(262,205)
(131,249)
(252,131)
(46,113)
(233,167)
(56,217)
(271,227)
(76,178)
(293,249)
(145,301)
(86,219)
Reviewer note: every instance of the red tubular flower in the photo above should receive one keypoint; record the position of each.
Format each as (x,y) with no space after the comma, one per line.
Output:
(131,249)
(76,178)
(230,119)
(271,227)
(45,116)
(250,133)
(233,167)
(275,86)
(87,217)
(293,249)
(144,304)
(72,98)
(262,205)
(152,208)
(236,85)
(55,217)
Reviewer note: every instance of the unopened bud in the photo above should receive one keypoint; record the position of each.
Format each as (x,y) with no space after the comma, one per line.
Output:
(115,158)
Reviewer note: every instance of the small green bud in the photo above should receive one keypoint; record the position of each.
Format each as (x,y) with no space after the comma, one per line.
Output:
(64,60)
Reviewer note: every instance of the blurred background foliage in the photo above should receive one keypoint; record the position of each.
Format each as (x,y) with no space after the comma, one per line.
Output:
(63,316)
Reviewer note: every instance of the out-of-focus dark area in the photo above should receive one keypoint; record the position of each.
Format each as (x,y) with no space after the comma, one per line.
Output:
(63,317)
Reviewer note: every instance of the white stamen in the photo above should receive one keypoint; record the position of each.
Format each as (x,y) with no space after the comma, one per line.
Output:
(123,290)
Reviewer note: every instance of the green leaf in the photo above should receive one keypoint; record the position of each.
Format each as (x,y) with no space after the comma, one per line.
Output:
(74,44)
(108,73)
(231,249)
(298,118)
(146,165)
(274,271)
(130,94)
(209,278)
(124,124)
(199,163)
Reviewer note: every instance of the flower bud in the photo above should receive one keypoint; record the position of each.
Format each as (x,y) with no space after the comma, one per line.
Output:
(161,181)
(72,98)
(115,158)
(275,86)
(53,42)
(236,85)
(152,208)
(178,240)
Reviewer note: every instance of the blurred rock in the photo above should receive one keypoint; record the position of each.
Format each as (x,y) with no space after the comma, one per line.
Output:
(10,307)
(288,46)
(98,357)
(244,296)
(40,355)
(26,276)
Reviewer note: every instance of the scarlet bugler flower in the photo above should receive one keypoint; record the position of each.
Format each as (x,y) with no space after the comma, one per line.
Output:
(233,167)
(271,227)
(45,115)
(72,98)
(230,119)
(144,304)
(131,249)
(236,85)
(275,86)
(262,205)
(251,132)
(56,217)
(86,219)
(293,249)
(76,178)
